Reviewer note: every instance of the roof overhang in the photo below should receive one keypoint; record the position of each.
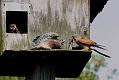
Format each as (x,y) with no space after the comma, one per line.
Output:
(96,6)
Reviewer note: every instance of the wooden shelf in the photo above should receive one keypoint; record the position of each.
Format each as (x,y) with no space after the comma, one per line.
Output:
(66,63)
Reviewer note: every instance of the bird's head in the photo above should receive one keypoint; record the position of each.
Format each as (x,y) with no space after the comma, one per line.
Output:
(62,42)
(73,37)
(76,36)
(53,35)
(12,27)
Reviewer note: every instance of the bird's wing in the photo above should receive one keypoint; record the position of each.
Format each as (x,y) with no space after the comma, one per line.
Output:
(35,38)
(42,45)
(45,36)
(87,41)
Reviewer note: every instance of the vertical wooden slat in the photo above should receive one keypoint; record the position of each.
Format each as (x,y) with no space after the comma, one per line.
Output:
(1,36)
(43,72)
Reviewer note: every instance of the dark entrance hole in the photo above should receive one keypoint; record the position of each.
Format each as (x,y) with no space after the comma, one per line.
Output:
(16,21)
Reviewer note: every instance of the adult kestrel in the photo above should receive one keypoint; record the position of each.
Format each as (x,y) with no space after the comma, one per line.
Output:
(85,44)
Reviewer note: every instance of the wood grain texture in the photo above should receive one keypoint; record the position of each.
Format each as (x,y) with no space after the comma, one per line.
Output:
(65,17)
(1,29)
(43,72)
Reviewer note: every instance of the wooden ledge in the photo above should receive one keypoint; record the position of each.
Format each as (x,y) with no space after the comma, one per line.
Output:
(67,63)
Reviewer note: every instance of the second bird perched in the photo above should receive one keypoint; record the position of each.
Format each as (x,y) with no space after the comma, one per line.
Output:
(44,37)
(13,28)
(85,44)
(49,44)
(47,41)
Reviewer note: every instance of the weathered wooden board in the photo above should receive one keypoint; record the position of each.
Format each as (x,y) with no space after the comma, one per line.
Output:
(1,32)
(14,41)
(65,17)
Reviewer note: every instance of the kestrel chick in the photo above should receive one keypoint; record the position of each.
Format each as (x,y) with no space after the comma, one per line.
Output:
(13,28)
(45,37)
(49,44)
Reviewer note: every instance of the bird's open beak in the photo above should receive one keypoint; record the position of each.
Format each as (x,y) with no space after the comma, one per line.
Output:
(62,42)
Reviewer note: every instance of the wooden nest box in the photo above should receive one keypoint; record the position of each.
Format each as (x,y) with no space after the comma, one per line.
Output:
(36,17)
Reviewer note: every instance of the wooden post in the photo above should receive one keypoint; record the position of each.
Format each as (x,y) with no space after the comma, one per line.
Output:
(43,72)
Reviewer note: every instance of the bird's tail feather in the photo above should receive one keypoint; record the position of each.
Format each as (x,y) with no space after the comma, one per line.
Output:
(100,46)
(101,53)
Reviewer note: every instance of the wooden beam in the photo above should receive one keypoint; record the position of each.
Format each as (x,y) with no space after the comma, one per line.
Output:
(43,72)
(33,64)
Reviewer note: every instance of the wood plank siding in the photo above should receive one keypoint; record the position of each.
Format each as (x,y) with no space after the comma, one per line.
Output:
(65,17)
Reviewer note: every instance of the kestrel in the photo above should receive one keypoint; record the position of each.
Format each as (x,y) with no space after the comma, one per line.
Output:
(49,44)
(45,37)
(13,28)
(48,41)
(85,44)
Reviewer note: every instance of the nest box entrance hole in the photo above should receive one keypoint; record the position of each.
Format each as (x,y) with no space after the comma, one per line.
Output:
(16,21)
